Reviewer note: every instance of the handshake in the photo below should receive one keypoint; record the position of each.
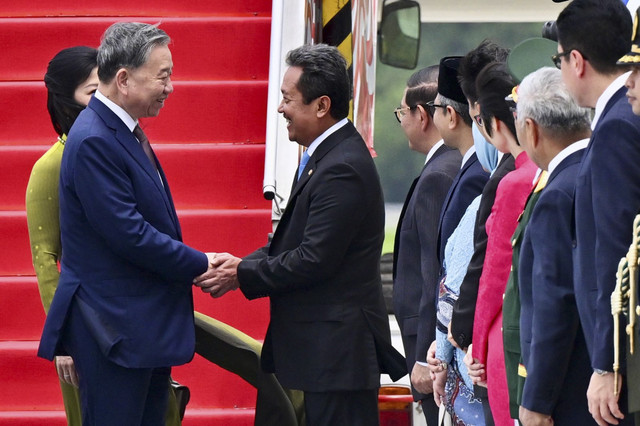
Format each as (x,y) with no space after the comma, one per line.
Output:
(221,276)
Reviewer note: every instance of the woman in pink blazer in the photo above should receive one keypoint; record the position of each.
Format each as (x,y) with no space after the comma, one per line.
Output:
(493,84)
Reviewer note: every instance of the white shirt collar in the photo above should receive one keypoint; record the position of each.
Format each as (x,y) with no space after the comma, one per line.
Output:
(537,175)
(433,150)
(117,110)
(616,85)
(325,135)
(633,5)
(576,146)
(468,155)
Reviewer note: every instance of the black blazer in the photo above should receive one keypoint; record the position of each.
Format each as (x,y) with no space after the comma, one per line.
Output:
(329,329)
(415,266)
(465,307)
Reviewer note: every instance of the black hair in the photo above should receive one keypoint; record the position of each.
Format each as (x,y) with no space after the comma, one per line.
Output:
(66,71)
(422,86)
(324,72)
(493,84)
(599,29)
(473,62)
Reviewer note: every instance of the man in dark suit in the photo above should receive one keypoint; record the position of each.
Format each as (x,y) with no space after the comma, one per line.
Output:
(451,118)
(415,267)
(592,36)
(123,308)
(329,332)
(554,131)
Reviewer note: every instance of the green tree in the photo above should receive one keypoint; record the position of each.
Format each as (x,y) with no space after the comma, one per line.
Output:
(397,164)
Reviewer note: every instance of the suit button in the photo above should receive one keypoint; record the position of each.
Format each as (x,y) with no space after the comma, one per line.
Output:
(503,296)
(574,243)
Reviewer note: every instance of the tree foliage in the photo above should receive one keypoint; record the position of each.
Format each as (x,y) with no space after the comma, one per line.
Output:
(396,163)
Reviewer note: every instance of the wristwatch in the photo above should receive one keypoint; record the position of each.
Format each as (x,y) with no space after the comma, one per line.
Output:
(600,372)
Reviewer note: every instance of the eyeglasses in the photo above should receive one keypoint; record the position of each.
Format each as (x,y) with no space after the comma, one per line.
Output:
(401,112)
(557,58)
(431,106)
(478,120)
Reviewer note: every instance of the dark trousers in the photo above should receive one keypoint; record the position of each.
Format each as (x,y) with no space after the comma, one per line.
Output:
(348,408)
(430,410)
(111,394)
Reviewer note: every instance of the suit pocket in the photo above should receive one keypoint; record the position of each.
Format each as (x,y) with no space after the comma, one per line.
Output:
(103,332)
(410,325)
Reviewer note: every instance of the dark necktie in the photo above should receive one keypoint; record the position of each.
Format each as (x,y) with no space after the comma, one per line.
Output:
(146,146)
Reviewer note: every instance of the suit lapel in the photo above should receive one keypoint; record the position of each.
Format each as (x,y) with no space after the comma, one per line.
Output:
(445,206)
(396,243)
(327,145)
(575,157)
(614,99)
(169,198)
(131,145)
(455,183)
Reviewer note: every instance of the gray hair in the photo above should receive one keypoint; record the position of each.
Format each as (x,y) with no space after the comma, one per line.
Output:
(459,107)
(127,45)
(543,97)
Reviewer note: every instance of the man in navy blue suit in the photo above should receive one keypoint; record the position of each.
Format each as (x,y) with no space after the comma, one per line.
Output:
(451,117)
(123,308)
(592,36)
(632,366)
(554,131)
(415,261)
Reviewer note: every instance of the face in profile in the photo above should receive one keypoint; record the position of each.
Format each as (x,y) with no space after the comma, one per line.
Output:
(149,85)
(408,122)
(633,90)
(87,88)
(301,118)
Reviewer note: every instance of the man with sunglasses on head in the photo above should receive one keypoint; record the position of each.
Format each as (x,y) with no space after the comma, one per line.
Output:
(592,36)
(415,267)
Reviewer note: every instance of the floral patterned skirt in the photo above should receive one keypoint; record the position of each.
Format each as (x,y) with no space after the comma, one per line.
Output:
(465,408)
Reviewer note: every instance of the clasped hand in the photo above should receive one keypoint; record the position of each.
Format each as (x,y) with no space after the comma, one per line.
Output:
(221,276)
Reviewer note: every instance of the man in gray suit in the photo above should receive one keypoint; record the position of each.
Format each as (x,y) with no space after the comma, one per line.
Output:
(415,266)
